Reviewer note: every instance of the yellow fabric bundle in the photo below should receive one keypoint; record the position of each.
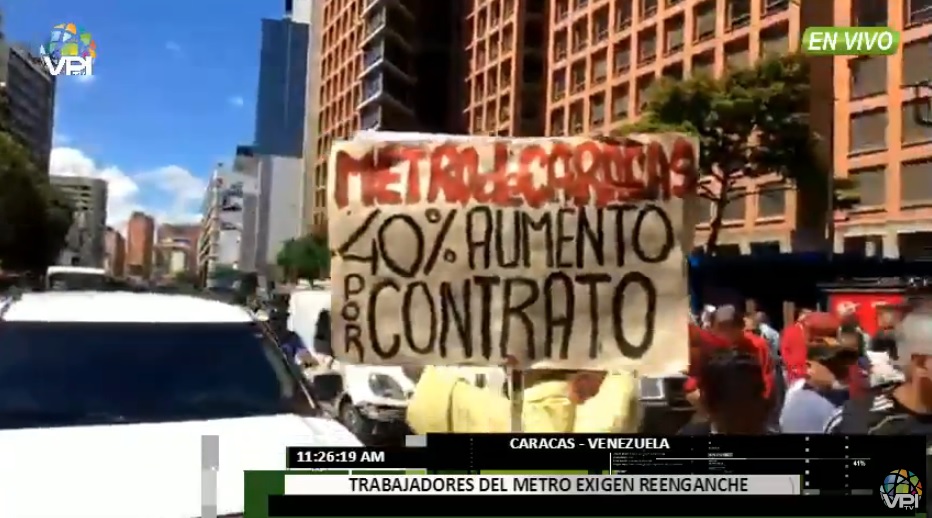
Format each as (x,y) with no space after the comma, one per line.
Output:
(444,403)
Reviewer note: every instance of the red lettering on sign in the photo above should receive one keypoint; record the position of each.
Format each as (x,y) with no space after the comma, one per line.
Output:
(593,172)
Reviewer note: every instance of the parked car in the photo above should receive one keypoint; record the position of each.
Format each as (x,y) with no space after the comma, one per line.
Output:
(108,398)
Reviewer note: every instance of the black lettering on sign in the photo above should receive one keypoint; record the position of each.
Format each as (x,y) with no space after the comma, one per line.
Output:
(515,281)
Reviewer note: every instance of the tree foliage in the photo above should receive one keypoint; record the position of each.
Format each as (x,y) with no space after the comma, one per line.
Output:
(307,257)
(223,272)
(750,122)
(34,216)
(186,279)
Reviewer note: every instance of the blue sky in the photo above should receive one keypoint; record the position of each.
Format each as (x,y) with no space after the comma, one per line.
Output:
(173,93)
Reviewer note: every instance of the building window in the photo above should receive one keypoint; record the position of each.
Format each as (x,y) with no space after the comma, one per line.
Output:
(562,9)
(559,45)
(872,186)
(737,55)
(855,245)
(728,250)
(599,71)
(771,201)
(648,8)
(558,80)
(868,131)
(705,21)
(739,14)
(647,46)
(557,123)
(772,7)
(673,35)
(620,102)
(916,182)
(674,71)
(703,64)
(734,210)
(622,16)
(868,76)
(578,76)
(918,12)
(869,13)
(576,118)
(580,35)
(917,61)
(765,248)
(643,91)
(915,132)
(600,25)
(775,40)
(621,56)
(597,110)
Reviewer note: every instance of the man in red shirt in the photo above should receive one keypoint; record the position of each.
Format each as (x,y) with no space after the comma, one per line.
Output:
(728,331)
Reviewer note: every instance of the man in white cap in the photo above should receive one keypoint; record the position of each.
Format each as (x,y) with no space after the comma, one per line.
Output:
(904,408)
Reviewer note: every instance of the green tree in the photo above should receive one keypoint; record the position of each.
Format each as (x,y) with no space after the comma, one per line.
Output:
(34,216)
(186,279)
(222,272)
(307,257)
(750,123)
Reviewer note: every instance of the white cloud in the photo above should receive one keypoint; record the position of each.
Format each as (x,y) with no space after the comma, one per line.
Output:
(179,192)
(173,46)
(85,79)
(237,101)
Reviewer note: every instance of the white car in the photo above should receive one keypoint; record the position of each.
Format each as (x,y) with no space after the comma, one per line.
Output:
(105,399)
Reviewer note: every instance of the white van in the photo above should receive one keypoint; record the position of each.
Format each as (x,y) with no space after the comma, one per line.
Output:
(75,278)
(369,400)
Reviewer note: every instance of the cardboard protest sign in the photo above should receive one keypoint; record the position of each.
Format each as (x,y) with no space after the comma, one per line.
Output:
(560,253)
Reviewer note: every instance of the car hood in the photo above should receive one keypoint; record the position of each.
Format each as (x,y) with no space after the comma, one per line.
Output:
(145,470)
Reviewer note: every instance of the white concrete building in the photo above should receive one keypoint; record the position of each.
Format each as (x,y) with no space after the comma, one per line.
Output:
(85,243)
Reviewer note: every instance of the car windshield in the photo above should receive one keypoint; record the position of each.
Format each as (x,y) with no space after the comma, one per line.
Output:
(65,374)
(76,282)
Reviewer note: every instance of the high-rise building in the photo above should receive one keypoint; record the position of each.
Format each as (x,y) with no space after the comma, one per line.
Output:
(282,93)
(312,116)
(388,65)
(604,55)
(176,249)
(279,209)
(140,236)
(883,133)
(115,254)
(507,45)
(228,229)
(30,92)
(84,244)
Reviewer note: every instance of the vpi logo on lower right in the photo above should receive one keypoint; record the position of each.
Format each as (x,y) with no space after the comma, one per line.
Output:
(901,489)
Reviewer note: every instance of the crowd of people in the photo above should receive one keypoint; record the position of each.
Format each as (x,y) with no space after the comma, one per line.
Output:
(821,374)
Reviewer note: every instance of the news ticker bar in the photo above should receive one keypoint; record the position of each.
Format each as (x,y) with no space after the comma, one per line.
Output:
(823,456)
(567,484)
(273,494)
